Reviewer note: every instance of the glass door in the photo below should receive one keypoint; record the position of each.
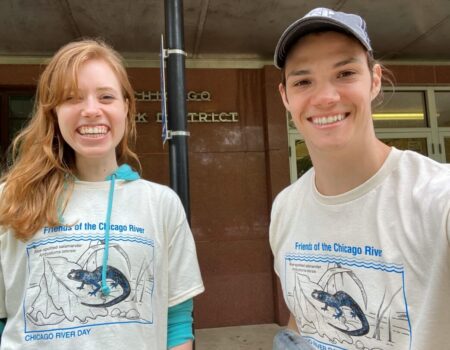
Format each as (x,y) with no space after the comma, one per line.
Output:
(420,142)
(299,159)
(442,99)
(445,146)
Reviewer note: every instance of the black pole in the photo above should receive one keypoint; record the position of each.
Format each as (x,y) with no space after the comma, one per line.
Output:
(176,102)
(176,105)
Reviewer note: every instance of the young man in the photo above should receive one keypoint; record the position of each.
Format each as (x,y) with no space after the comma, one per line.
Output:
(361,241)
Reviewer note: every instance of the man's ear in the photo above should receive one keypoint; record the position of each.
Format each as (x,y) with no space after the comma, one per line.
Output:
(282,90)
(377,73)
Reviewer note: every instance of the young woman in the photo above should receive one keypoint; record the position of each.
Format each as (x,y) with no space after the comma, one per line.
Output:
(361,241)
(91,255)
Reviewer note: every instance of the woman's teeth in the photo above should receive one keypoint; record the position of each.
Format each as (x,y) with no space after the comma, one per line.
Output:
(93,130)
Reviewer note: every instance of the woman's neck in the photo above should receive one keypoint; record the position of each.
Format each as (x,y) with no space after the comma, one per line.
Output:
(93,169)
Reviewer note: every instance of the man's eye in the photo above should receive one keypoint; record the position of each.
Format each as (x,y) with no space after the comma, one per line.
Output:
(346,74)
(304,82)
(107,97)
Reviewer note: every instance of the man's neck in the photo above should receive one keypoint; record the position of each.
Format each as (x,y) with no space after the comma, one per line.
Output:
(341,171)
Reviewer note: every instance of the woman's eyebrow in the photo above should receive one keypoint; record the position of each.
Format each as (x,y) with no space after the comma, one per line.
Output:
(106,88)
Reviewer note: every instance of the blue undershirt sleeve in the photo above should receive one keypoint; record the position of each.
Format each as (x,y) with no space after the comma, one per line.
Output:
(179,324)
(2,326)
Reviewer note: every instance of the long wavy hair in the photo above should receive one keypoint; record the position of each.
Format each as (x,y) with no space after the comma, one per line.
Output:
(39,182)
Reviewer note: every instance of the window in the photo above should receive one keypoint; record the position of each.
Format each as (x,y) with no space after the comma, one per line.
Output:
(16,107)
(447,149)
(443,108)
(401,109)
(416,144)
(20,108)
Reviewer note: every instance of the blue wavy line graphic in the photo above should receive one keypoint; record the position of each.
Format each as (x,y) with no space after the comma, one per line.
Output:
(349,262)
(89,238)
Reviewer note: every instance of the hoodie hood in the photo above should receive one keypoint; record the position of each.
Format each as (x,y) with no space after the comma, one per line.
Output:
(124,172)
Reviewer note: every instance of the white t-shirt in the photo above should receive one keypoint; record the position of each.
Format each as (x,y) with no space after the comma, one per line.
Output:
(48,284)
(370,268)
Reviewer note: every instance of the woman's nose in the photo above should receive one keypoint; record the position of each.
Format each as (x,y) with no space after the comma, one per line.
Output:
(90,107)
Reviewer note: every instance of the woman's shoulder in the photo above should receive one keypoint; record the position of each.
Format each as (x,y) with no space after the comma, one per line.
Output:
(154,188)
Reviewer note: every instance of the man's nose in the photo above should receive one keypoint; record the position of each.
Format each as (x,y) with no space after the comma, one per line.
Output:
(326,95)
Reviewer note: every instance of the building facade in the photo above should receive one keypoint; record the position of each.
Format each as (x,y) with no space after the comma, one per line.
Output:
(242,152)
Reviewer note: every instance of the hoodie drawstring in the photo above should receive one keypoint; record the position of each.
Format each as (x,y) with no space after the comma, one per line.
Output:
(105,289)
(124,172)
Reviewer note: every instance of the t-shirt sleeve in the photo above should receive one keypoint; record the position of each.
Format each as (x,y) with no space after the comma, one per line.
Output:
(448,227)
(274,233)
(185,280)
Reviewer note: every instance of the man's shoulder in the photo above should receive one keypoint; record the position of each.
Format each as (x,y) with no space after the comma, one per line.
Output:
(424,169)
(417,159)
(299,186)
(428,180)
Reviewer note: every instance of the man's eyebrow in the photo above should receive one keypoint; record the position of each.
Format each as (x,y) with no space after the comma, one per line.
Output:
(298,72)
(346,61)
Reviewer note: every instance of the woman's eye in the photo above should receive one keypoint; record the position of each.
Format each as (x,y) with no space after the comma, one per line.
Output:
(71,98)
(107,97)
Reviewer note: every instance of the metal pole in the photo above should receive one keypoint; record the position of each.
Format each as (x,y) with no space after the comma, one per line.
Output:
(176,99)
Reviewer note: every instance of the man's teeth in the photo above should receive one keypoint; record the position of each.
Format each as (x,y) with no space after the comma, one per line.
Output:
(328,120)
(93,130)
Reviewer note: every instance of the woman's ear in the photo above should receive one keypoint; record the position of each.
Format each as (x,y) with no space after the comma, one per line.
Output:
(377,73)
(127,105)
